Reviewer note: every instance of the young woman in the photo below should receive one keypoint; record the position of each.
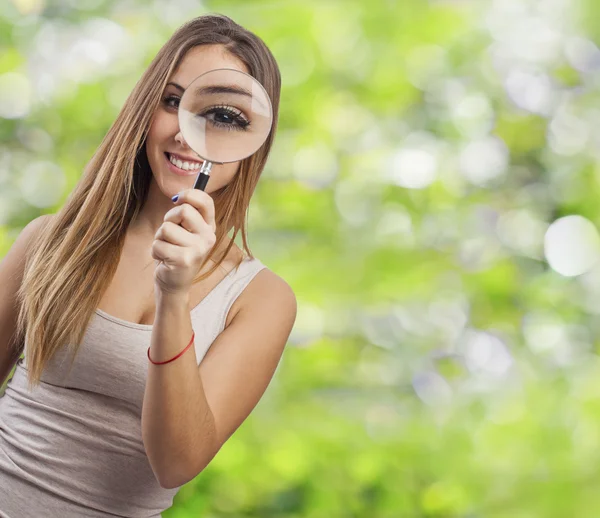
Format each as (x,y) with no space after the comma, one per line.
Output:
(149,336)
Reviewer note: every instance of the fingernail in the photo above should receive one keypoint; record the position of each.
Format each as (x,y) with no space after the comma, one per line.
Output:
(175,198)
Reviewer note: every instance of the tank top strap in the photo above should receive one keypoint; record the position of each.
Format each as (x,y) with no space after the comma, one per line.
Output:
(239,278)
(228,290)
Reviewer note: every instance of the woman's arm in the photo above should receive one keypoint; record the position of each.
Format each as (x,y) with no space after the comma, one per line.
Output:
(11,277)
(189,411)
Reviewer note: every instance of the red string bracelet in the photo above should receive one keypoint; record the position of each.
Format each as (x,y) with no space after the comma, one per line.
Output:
(167,361)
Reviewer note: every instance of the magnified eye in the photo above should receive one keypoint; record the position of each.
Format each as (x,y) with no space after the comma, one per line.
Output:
(226,117)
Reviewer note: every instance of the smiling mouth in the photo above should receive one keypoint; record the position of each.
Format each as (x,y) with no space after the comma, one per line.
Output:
(183,165)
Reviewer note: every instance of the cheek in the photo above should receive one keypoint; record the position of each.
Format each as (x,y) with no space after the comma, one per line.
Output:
(224,175)
(160,130)
(233,169)
(230,171)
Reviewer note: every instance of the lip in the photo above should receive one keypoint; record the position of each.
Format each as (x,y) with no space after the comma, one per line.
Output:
(174,169)
(185,158)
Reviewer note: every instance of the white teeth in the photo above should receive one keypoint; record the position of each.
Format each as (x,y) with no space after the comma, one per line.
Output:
(186,166)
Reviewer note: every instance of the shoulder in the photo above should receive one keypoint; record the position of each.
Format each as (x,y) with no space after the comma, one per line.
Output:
(267,283)
(33,229)
(35,225)
(267,294)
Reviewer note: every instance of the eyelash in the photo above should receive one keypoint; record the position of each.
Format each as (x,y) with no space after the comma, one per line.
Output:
(241,123)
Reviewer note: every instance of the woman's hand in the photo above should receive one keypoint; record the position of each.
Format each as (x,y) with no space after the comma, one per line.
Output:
(183,241)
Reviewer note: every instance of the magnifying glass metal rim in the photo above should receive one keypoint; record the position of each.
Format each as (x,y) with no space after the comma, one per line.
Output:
(205,168)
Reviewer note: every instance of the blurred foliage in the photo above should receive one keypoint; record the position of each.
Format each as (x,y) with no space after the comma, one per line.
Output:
(445,358)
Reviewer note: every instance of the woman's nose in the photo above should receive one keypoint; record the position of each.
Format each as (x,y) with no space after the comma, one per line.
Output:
(179,138)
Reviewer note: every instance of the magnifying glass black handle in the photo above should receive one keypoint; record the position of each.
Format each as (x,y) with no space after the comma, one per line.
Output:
(203,176)
(201,181)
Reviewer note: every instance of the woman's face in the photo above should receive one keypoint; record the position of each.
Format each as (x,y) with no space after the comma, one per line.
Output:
(164,138)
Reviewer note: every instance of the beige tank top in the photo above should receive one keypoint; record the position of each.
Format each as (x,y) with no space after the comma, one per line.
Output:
(72,447)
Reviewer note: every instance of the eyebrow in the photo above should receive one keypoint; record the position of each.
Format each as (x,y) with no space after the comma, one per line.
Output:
(179,87)
(222,89)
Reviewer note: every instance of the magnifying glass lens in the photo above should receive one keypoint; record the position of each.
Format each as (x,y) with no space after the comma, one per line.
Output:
(225,115)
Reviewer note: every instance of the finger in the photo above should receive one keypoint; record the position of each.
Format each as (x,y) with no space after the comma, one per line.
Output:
(202,202)
(170,254)
(173,233)
(188,218)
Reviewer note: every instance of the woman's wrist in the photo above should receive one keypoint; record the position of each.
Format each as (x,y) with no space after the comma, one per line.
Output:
(172,298)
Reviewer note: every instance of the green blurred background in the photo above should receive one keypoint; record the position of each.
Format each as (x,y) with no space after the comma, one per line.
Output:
(432,200)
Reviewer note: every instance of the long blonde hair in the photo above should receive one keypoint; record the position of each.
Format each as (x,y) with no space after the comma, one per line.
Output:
(72,262)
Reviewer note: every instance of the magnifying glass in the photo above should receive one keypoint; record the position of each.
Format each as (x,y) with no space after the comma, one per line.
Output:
(225,115)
